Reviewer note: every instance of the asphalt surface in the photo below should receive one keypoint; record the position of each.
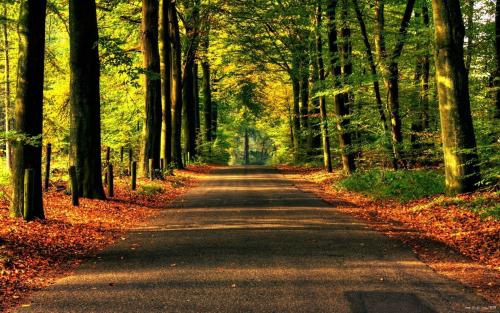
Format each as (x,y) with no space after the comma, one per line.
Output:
(246,240)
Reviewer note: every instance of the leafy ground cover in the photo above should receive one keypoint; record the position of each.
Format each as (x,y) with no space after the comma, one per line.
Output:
(33,254)
(458,237)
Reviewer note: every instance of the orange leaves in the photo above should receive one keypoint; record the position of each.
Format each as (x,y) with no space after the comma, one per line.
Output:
(31,254)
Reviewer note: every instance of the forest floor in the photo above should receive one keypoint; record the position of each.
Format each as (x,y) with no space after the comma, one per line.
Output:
(34,254)
(442,231)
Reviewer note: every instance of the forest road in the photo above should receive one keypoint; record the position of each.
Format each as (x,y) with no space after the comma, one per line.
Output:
(247,240)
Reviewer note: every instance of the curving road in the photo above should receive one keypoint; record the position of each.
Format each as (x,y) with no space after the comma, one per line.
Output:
(246,240)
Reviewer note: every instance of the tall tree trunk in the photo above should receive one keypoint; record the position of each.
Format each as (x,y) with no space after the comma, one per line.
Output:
(459,144)
(7,109)
(176,85)
(246,153)
(304,102)
(422,72)
(314,137)
(341,109)
(151,56)
(296,108)
(215,116)
(85,130)
(373,67)
(347,71)
(391,73)
(470,35)
(327,157)
(188,86)
(497,56)
(29,105)
(189,110)
(207,100)
(166,72)
(196,98)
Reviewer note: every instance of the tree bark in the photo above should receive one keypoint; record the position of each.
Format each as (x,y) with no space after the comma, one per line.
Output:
(196,98)
(189,110)
(304,102)
(497,57)
(166,72)
(327,157)
(296,118)
(176,86)
(188,86)
(207,100)
(29,106)
(246,153)
(373,66)
(457,131)
(152,83)
(422,72)
(7,109)
(391,74)
(85,129)
(341,102)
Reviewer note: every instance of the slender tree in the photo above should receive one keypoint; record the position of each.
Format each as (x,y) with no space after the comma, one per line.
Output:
(341,100)
(85,129)
(391,73)
(497,57)
(327,158)
(176,84)
(7,108)
(207,91)
(457,131)
(166,72)
(422,73)
(151,57)
(192,25)
(29,106)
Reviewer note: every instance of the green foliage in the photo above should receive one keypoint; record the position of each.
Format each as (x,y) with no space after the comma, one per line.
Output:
(401,185)
(483,206)
(150,189)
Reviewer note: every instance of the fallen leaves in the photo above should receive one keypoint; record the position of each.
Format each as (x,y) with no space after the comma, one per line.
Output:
(33,254)
(444,233)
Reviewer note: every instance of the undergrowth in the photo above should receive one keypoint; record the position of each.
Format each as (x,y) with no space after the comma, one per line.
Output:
(402,186)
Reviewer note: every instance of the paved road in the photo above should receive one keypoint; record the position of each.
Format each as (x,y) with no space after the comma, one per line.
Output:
(246,240)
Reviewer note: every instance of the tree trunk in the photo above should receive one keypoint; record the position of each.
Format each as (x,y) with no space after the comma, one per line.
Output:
(176,86)
(304,102)
(314,137)
(296,118)
(188,85)
(497,56)
(470,35)
(327,157)
(29,106)
(189,110)
(166,72)
(373,67)
(207,100)
(422,72)
(246,153)
(151,56)
(341,101)
(391,74)
(8,122)
(85,129)
(457,131)
(215,114)
(196,99)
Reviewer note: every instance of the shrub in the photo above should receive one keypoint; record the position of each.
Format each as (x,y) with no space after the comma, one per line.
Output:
(400,185)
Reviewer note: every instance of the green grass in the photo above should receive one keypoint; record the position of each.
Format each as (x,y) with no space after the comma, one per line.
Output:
(150,189)
(484,207)
(400,185)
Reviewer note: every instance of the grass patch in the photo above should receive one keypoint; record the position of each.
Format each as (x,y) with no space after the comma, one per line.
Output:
(150,190)
(485,207)
(400,185)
